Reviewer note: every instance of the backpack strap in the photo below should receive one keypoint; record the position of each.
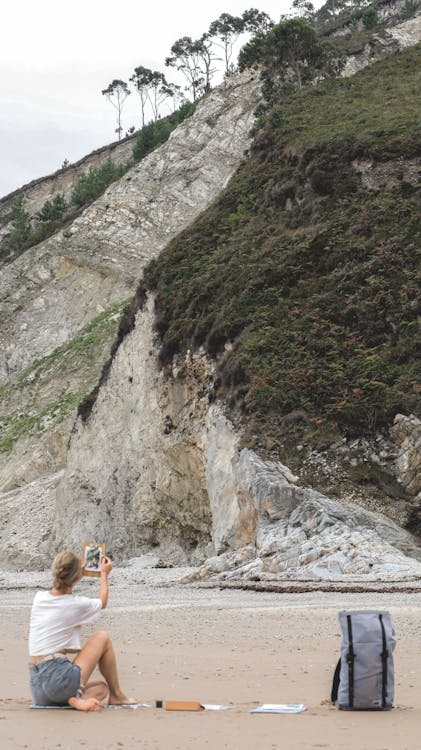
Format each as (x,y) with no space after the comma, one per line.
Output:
(335,683)
(350,657)
(384,655)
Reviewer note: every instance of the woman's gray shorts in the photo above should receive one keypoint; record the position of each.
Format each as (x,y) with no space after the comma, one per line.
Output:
(54,681)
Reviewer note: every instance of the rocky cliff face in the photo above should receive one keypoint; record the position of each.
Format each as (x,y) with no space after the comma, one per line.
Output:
(60,300)
(402,34)
(64,180)
(57,287)
(157,465)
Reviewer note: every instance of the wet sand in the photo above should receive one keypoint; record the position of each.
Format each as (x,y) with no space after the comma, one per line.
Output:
(239,648)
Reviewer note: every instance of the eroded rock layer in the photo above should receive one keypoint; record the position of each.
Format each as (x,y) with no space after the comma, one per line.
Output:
(159,465)
(60,300)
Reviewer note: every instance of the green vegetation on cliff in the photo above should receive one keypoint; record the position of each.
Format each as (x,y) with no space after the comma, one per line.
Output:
(51,388)
(156,133)
(27,231)
(94,182)
(301,281)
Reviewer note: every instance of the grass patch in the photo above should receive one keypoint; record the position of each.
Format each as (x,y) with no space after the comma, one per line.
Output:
(82,347)
(19,425)
(313,280)
(376,112)
(76,362)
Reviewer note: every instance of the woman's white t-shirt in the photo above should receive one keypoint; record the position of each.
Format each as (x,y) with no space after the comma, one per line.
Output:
(56,621)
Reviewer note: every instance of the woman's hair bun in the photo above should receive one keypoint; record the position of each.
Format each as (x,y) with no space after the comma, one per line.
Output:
(67,569)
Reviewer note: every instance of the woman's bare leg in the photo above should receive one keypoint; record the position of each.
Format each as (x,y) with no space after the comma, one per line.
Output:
(97,689)
(98,651)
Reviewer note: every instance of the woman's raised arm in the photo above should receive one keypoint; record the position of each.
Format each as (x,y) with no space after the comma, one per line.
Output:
(106,568)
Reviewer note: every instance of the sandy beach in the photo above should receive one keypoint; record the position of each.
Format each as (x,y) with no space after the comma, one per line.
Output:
(238,648)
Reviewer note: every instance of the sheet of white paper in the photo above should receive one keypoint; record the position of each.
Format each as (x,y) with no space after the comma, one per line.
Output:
(215,707)
(131,705)
(279,708)
(69,708)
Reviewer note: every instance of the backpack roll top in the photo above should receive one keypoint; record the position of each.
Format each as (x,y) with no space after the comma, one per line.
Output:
(366,674)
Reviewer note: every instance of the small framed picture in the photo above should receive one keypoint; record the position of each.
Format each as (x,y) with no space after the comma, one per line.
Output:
(92,555)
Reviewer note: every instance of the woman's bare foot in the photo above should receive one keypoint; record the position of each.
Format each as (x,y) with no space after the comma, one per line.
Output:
(121,700)
(87,704)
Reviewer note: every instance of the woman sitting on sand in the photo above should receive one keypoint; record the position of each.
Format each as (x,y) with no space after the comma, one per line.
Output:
(56,617)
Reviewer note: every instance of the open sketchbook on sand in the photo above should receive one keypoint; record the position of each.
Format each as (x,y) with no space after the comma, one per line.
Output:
(279,708)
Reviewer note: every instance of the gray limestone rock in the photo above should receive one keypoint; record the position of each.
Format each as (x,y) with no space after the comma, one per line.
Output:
(27,514)
(406,432)
(158,466)
(396,37)
(51,291)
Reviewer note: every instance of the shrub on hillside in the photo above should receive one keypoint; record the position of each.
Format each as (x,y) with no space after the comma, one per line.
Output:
(21,223)
(52,210)
(156,133)
(92,184)
(371,17)
(26,230)
(292,55)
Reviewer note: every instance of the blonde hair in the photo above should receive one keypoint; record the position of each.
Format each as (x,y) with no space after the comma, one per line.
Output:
(67,569)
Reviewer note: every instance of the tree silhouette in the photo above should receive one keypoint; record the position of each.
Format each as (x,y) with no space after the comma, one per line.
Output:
(158,91)
(304,9)
(207,57)
(117,93)
(175,93)
(187,58)
(292,56)
(140,80)
(152,87)
(225,32)
(256,21)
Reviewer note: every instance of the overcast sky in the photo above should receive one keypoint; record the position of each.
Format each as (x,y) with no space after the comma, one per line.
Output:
(56,57)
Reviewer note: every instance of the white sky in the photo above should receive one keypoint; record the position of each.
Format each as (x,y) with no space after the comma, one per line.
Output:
(57,56)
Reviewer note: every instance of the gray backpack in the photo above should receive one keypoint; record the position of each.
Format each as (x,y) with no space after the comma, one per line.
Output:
(364,678)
